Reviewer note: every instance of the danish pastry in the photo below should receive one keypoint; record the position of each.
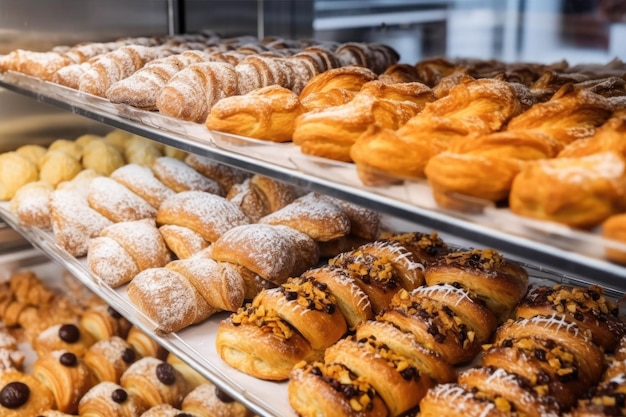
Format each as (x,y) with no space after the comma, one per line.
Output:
(182,241)
(21,394)
(207,400)
(109,399)
(259,196)
(109,358)
(226,175)
(67,336)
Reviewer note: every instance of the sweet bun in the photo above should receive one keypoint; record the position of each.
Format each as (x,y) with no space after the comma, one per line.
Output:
(179,176)
(116,202)
(103,322)
(69,147)
(15,171)
(109,399)
(110,358)
(34,153)
(30,204)
(259,196)
(207,400)
(58,166)
(226,175)
(68,337)
(102,157)
(23,395)
(141,181)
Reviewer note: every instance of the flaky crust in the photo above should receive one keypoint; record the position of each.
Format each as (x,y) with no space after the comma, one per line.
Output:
(207,400)
(145,345)
(116,202)
(39,397)
(350,78)
(614,228)
(455,401)
(182,241)
(179,176)
(110,399)
(103,322)
(63,336)
(110,358)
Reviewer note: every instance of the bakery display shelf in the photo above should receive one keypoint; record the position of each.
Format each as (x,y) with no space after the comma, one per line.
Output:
(558,248)
(196,344)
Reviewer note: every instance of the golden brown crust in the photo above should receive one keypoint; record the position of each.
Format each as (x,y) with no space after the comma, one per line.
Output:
(182,241)
(69,337)
(103,322)
(15,401)
(455,401)
(145,345)
(321,100)
(208,400)
(108,359)
(350,78)
(110,399)
(614,228)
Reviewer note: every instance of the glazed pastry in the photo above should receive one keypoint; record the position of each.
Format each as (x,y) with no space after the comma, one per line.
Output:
(182,241)
(267,113)
(275,253)
(155,382)
(109,399)
(145,345)
(74,223)
(259,196)
(179,176)
(67,337)
(587,307)
(615,228)
(425,247)
(168,299)
(108,359)
(219,283)
(103,322)
(226,175)
(142,87)
(207,214)
(207,400)
(30,204)
(499,283)
(141,181)
(382,153)
(562,199)
(102,157)
(313,215)
(454,400)
(116,202)
(67,377)
(394,377)
(15,172)
(21,394)
(124,249)
(191,92)
(58,166)
(320,389)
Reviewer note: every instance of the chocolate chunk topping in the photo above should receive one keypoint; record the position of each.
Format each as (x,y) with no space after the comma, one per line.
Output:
(128,355)
(68,359)
(14,395)
(69,333)
(119,395)
(222,396)
(165,373)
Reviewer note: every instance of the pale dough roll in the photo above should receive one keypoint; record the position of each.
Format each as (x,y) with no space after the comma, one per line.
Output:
(69,147)
(118,138)
(141,180)
(87,138)
(34,153)
(116,202)
(207,214)
(175,153)
(168,299)
(182,241)
(30,205)
(181,177)
(15,171)
(102,157)
(58,166)
(218,283)
(141,151)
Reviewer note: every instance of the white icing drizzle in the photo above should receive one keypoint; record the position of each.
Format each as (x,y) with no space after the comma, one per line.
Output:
(447,289)
(551,320)
(457,395)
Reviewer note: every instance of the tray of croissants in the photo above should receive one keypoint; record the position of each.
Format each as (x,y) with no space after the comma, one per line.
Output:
(533,149)
(292,302)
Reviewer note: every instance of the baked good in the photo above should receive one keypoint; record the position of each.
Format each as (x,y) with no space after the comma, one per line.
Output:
(607,137)
(208,214)
(102,157)
(313,215)
(67,337)
(614,228)
(145,345)
(109,399)
(155,382)
(141,151)
(182,241)
(142,87)
(425,247)
(103,322)
(66,376)
(191,92)
(219,283)
(578,192)
(321,100)
(394,377)
(207,400)
(275,253)
(226,175)
(267,113)
(400,73)
(58,166)
(498,282)
(192,376)
(277,348)
(168,299)
(179,176)
(454,400)
(30,204)
(124,249)
(141,181)
(34,153)
(21,394)
(587,307)
(109,358)
(15,172)
(80,183)
(162,410)
(403,153)
(116,202)
(259,195)
(349,77)
(69,147)
(324,389)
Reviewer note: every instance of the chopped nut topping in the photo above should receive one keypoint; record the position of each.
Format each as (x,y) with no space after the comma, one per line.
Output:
(399,362)
(368,268)
(485,260)
(256,314)
(309,293)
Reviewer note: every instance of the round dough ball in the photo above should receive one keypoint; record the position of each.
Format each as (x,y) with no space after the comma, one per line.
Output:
(34,153)
(68,146)
(173,152)
(86,139)
(118,138)
(142,152)
(58,166)
(15,171)
(102,157)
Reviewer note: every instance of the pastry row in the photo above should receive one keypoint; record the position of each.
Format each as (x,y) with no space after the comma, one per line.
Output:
(90,361)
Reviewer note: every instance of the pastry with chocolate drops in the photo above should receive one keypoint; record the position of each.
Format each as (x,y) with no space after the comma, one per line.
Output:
(110,358)
(208,400)
(103,322)
(22,395)
(109,399)
(426,247)
(588,307)
(66,336)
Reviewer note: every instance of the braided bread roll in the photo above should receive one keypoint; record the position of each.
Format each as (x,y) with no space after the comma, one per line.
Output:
(191,92)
